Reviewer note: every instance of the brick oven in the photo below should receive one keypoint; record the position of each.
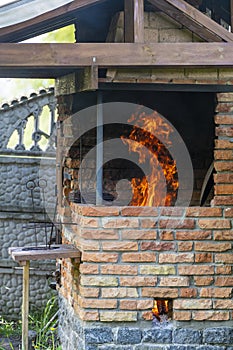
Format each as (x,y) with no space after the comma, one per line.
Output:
(135,257)
(158,275)
(155,269)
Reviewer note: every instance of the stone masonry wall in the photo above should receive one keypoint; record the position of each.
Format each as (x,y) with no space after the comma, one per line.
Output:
(16,213)
(75,334)
(17,167)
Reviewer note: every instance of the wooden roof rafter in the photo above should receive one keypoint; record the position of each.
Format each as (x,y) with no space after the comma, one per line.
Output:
(194,20)
(48,21)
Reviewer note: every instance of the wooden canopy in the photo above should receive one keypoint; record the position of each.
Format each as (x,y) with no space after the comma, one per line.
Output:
(54,60)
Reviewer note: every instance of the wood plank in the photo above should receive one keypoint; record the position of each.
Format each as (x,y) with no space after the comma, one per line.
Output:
(25,306)
(231,6)
(55,60)
(73,56)
(46,22)
(193,19)
(57,252)
(134,21)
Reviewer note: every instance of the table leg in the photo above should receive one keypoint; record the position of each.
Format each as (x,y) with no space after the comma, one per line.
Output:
(25,305)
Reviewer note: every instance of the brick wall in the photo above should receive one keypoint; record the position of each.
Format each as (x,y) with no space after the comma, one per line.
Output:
(131,256)
(223,154)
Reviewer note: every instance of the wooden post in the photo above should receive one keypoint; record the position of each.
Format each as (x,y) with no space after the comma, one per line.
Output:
(231,15)
(25,304)
(134,21)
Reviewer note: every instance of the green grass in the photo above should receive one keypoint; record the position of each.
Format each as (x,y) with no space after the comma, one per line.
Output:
(43,323)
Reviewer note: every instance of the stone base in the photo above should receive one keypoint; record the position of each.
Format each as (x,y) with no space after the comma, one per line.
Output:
(76,334)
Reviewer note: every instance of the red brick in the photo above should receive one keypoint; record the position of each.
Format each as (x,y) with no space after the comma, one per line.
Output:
(160,292)
(215,292)
(223,270)
(89,269)
(223,154)
(223,200)
(89,292)
(172,211)
(119,269)
(98,281)
(224,97)
(211,315)
(203,212)
(223,235)
(214,224)
(182,315)
(228,212)
(167,236)
(88,210)
(174,281)
(86,315)
(223,166)
(212,247)
(193,235)
(177,223)
(118,292)
(223,119)
(224,281)
(120,246)
(145,304)
(138,281)
(138,234)
(99,234)
(120,223)
(224,107)
(188,292)
(223,178)
(147,315)
(224,131)
(89,222)
(196,270)
(89,245)
(224,258)
(176,257)
(128,304)
(157,246)
(138,257)
(223,304)
(99,257)
(97,303)
(203,257)
(193,304)
(185,246)
(223,144)
(139,211)
(148,223)
(203,281)
(223,189)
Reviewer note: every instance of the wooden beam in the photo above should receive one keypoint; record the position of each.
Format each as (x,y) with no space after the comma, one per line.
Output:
(231,4)
(25,305)
(27,60)
(193,19)
(134,21)
(54,19)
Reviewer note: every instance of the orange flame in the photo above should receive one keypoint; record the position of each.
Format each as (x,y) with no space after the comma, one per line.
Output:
(160,187)
(160,308)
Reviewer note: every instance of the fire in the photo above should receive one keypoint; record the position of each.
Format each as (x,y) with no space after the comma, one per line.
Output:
(161,308)
(160,187)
